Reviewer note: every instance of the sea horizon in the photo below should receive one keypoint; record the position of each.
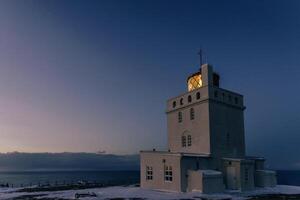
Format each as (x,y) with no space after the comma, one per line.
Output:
(106,177)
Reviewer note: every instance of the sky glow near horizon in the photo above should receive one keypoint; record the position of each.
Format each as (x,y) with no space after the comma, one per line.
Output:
(85,76)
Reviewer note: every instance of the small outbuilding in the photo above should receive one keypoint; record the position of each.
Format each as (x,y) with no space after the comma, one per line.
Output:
(205,181)
(265,178)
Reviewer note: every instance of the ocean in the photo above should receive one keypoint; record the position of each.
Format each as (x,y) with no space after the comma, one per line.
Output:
(288,177)
(17,179)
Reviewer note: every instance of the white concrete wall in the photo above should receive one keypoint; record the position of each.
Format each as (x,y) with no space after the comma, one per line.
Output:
(265,178)
(193,163)
(228,176)
(207,74)
(194,181)
(239,166)
(226,125)
(158,160)
(247,183)
(213,185)
(259,164)
(197,128)
(198,181)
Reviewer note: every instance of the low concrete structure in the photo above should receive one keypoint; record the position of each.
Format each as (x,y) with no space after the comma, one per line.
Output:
(239,173)
(205,181)
(206,143)
(265,178)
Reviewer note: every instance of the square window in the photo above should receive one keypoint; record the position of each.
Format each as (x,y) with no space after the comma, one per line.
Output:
(149,173)
(168,173)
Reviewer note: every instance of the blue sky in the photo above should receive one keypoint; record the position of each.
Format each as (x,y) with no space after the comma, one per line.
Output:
(95,75)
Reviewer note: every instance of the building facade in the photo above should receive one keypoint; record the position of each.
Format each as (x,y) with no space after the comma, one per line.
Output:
(206,143)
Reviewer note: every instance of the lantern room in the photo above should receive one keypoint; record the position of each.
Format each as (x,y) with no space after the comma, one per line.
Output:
(194,81)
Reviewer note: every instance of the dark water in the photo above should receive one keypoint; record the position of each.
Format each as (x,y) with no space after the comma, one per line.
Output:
(65,177)
(105,177)
(288,177)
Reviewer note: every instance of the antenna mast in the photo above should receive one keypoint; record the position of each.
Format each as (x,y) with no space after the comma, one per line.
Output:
(201,58)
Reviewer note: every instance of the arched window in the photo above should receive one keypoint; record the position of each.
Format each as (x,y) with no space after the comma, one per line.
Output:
(174,104)
(189,98)
(198,95)
(181,101)
(192,113)
(179,117)
(189,140)
(183,141)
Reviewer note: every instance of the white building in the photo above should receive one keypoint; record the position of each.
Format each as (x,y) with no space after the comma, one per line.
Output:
(206,143)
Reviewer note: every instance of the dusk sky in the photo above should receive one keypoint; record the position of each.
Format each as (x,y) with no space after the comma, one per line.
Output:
(84,76)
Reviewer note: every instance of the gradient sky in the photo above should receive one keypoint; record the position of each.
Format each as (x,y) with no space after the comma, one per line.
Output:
(95,75)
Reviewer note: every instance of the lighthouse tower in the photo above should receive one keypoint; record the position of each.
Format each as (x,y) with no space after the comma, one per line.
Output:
(206,142)
(207,119)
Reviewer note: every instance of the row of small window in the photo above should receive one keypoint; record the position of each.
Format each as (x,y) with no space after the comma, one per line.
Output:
(168,173)
(216,94)
(189,99)
(183,141)
(192,115)
(236,100)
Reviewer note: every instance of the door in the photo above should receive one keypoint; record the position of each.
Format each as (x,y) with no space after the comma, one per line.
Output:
(231,178)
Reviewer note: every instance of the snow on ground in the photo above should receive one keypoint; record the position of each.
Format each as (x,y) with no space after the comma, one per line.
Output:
(136,192)
(133,192)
